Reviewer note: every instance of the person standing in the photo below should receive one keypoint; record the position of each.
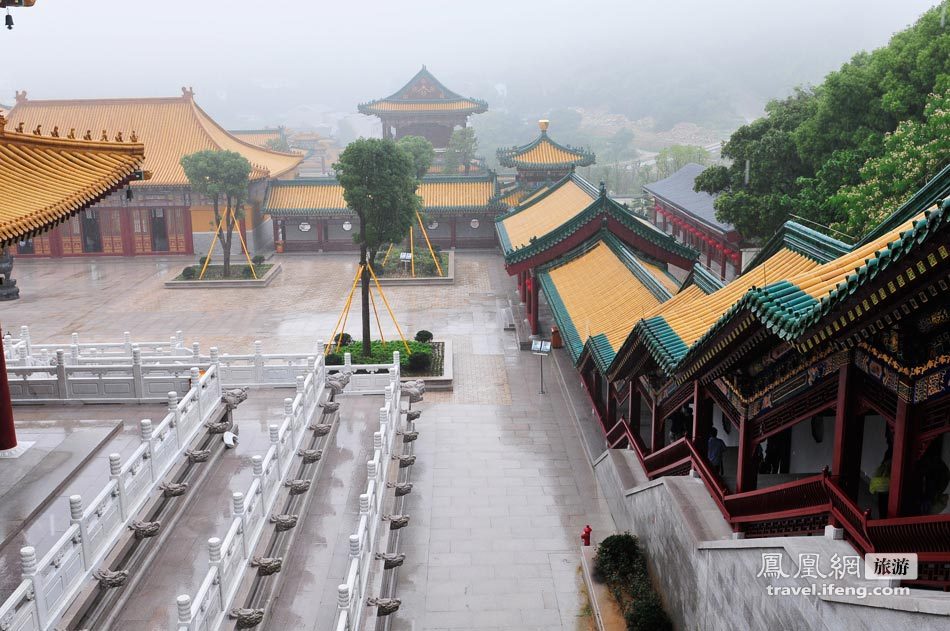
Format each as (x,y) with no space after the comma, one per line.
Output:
(714,450)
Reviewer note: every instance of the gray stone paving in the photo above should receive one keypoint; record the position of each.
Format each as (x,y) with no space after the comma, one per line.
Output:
(503,483)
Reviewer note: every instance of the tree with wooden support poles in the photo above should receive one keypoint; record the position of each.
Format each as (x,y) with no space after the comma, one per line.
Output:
(379,185)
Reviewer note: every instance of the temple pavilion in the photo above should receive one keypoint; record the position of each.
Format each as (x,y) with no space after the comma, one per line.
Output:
(162,215)
(423,107)
(820,366)
(46,179)
(310,214)
(540,162)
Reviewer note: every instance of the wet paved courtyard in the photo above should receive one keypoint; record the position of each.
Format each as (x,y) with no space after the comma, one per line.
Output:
(502,483)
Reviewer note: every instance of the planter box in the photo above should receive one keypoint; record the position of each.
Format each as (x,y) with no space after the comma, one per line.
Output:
(230,283)
(448,279)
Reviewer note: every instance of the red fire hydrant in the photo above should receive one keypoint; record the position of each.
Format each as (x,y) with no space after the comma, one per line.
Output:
(585,535)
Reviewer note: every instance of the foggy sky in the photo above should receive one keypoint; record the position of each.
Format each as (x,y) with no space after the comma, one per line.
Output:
(262,63)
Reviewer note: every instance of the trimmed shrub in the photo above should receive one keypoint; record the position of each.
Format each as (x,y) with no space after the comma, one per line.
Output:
(344,339)
(618,559)
(202,260)
(247,272)
(188,273)
(424,336)
(258,260)
(333,359)
(420,362)
(646,614)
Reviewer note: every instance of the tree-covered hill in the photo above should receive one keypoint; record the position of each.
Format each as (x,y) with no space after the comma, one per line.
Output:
(841,153)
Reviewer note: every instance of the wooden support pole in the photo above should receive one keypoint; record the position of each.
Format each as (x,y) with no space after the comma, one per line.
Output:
(656,428)
(849,436)
(746,475)
(535,292)
(702,417)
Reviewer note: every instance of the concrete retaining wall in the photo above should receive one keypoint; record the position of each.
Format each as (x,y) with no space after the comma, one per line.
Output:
(708,580)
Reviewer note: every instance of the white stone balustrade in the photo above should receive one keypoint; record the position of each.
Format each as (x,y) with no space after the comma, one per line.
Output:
(365,541)
(50,583)
(228,557)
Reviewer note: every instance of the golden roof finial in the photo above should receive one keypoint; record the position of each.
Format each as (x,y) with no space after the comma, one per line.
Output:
(55,132)
(118,137)
(105,136)
(38,130)
(88,135)
(543,124)
(72,133)
(133,137)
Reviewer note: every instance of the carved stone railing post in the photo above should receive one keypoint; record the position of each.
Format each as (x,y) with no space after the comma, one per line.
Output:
(300,383)
(347,362)
(61,384)
(354,546)
(364,504)
(396,361)
(28,564)
(127,342)
(214,560)
(258,361)
(196,352)
(145,425)
(74,354)
(274,432)
(138,385)
(196,384)
(311,364)
(179,339)
(25,338)
(115,469)
(237,500)
(173,410)
(75,517)
(184,611)
(343,596)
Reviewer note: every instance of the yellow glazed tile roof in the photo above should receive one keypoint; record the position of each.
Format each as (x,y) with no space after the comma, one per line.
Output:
(535,194)
(547,213)
(45,180)
(602,295)
(258,138)
(455,194)
(546,152)
(662,276)
(303,196)
(690,313)
(170,128)
(327,194)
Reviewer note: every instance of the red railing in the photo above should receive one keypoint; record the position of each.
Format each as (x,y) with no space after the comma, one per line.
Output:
(806,496)
(930,534)
(670,457)
(849,514)
(927,535)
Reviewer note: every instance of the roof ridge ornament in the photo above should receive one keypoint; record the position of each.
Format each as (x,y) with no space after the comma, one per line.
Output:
(188,93)
(544,124)
(3,122)
(20,96)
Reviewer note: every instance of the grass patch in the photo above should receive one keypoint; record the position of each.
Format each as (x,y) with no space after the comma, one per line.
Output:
(425,267)
(216,272)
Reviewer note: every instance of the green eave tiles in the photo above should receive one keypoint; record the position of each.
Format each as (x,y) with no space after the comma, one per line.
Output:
(664,344)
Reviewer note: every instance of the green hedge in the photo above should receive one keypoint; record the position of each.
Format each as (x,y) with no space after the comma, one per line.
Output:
(382,352)
(620,564)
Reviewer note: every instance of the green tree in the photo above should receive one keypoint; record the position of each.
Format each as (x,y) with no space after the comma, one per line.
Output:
(420,151)
(220,175)
(379,185)
(673,158)
(461,150)
(913,154)
(814,143)
(278,144)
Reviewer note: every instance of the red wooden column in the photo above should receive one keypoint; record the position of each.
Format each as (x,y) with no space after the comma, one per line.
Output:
(702,417)
(849,436)
(533,301)
(746,475)
(902,461)
(633,407)
(7,430)
(611,416)
(453,225)
(656,428)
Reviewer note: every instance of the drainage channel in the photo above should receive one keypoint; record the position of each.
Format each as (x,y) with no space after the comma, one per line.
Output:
(257,589)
